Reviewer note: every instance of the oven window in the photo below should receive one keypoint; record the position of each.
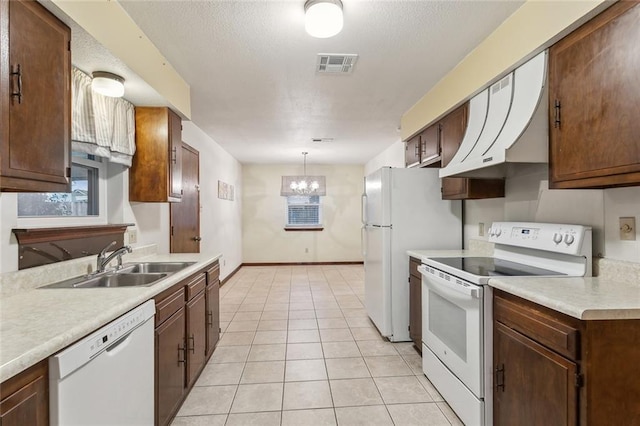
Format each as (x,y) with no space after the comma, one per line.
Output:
(448,322)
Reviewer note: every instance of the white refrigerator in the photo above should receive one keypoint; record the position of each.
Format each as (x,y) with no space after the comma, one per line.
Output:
(402,209)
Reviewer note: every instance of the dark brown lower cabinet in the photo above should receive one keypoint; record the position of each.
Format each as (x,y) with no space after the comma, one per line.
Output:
(213,315)
(24,399)
(184,313)
(553,369)
(196,337)
(533,384)
(170,366)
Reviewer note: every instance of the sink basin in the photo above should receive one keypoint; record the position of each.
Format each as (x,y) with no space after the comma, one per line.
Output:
(109,280)
(131,275)
(154,267)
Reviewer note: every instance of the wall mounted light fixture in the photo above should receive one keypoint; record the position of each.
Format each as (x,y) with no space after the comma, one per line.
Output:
(323,18)
(108,84)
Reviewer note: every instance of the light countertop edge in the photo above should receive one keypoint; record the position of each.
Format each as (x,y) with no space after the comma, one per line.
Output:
(588,298)
(38,323)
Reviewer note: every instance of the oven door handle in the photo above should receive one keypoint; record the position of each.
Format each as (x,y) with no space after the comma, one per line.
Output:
(472,292)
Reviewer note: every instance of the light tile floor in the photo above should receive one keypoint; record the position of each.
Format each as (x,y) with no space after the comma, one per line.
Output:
(298,349)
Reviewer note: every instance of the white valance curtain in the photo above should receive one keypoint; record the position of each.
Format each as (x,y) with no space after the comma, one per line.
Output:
(101,125)
(286,190)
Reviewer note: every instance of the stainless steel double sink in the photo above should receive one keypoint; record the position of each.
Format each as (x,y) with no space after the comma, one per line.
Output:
(130,275)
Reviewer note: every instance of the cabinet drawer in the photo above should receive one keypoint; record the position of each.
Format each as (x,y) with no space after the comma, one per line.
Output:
(213,273)
(195,286)
(169,305)
(547,330)
(413,267)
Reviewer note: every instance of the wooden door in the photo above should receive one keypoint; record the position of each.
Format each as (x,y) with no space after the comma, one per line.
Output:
(35,148)
(453,128)
(593,76)
(170,366)
(412,151)
(430,145)
(196,337)
(185,215)
(532,385)
(213,315)
(415,310)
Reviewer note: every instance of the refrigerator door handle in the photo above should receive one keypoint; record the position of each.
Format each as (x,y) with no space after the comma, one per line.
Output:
(363,237)
(363,202)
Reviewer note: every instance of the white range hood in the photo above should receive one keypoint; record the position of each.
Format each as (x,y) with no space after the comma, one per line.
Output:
(508,123)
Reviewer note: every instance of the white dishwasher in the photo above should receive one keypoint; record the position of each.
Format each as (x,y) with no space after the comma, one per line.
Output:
(107,377)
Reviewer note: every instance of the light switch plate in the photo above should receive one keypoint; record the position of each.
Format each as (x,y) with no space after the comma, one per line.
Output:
(628,228)
(480,229)
(133,236)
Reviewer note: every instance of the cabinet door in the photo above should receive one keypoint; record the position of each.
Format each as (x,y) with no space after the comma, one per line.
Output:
(415,310)
(213,316)
(412,151)
(593,75)
(25,398)
(196,337)
(175,155)
(452,130)
(170,366)
(430,145)
(532,385)
(36,99)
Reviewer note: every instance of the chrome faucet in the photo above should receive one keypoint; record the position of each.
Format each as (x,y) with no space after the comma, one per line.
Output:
(104,260)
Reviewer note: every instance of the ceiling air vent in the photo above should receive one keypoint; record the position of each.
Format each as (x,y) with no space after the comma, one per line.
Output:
(334,63)
(322,140)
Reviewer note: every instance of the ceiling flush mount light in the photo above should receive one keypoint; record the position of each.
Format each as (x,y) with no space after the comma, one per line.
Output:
(305,185)
(323,18)
(108,84)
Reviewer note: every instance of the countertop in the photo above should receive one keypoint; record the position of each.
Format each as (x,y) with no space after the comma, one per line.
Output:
(607,297)
(37,323)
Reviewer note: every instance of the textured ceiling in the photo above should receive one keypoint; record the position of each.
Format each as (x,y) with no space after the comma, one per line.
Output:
(251,68)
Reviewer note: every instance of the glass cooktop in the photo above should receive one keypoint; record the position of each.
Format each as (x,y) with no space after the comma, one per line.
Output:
(492,267)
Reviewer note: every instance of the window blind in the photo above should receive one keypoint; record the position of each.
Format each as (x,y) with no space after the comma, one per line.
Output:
(303,210)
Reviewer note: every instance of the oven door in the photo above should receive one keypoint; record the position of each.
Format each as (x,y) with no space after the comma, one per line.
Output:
(452,325)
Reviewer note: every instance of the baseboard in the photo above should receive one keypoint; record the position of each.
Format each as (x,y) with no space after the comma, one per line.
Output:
(300,263)
(228,277)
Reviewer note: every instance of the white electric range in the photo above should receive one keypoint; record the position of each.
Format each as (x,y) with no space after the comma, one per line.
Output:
(457,316)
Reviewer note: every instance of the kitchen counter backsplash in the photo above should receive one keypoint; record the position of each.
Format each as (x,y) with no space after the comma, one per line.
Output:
(481,247)
(12,283)
(618,270)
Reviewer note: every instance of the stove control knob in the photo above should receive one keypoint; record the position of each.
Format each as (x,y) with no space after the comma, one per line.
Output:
(498,232)
(557,238)
(569,239)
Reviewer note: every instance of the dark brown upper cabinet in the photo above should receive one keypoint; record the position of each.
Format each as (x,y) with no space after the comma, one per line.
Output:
(594,102)
(35,99)
(423,149)
(452,129)
(156,171)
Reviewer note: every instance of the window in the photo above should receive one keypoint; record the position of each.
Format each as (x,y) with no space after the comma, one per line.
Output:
(304,211)
(87,189)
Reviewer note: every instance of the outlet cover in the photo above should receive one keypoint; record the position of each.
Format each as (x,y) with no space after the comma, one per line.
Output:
(481,229)
(628,228)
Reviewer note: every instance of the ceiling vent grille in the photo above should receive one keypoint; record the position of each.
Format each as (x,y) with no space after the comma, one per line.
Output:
(322,140)
(333,63)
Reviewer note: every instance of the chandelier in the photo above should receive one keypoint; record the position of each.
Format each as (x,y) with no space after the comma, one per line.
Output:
(304,186)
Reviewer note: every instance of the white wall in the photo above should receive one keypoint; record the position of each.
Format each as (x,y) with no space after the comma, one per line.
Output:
(529,199)
(390,157)
(220,220)
(264,209)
